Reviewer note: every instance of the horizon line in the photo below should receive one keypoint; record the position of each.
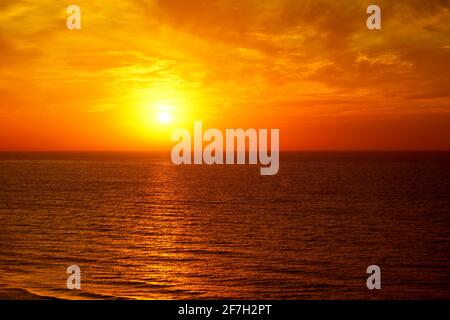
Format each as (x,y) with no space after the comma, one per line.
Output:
(289,150)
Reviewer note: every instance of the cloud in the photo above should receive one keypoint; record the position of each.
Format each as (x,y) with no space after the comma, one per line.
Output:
(285,58)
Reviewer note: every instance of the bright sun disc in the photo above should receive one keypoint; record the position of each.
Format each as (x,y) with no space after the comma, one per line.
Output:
(164,117)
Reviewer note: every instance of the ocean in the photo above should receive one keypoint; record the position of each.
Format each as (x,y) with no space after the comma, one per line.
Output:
(140,227)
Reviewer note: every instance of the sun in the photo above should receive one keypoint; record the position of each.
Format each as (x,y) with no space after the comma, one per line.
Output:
(164,117)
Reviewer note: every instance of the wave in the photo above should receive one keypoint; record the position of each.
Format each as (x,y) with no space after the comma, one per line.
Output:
(11,293)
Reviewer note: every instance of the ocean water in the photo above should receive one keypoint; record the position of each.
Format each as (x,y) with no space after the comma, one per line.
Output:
(142,228)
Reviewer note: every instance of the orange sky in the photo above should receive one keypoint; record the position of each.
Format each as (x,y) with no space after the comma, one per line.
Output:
(310,68)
